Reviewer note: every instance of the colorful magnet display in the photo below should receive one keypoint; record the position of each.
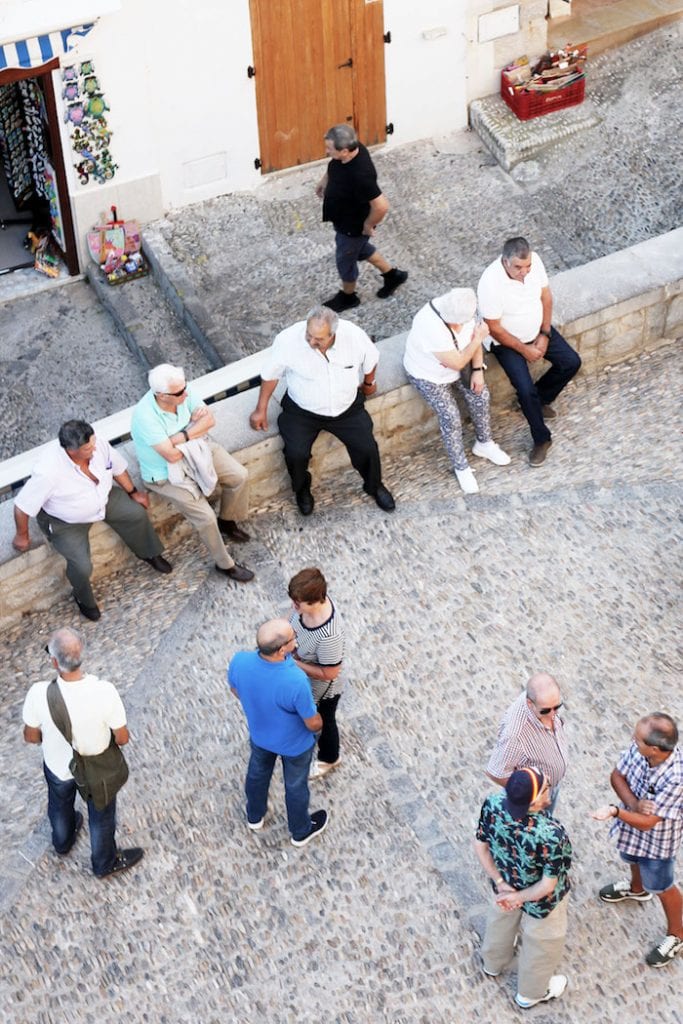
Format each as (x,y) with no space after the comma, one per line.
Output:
(85,108)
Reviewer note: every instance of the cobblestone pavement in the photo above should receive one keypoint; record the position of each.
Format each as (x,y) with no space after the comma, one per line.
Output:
(450,603)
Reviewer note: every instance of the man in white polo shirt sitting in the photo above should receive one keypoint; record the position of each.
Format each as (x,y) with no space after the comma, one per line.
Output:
(70,489)
(516,302)
(329,365)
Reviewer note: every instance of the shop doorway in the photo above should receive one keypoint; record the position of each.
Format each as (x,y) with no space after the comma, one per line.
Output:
(316,63)
(34,197)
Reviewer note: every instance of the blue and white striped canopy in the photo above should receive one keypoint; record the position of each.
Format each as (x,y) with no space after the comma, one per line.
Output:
(31,53)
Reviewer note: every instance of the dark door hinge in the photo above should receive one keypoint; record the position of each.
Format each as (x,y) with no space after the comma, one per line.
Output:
(389,128)
(258,164)
(387,37)
(251,71)
(347,64)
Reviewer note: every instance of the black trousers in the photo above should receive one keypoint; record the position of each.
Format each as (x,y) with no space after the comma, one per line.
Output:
(299,429)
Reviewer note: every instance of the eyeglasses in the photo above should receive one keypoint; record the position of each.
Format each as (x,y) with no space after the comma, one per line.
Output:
(177,394)
(546,711)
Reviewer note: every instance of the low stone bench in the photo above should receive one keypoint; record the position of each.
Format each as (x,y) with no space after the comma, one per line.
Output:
(611,310)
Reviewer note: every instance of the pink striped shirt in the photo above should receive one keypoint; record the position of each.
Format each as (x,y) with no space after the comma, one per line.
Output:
(524,742)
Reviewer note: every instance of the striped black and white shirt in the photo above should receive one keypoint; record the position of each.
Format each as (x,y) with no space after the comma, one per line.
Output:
(523,742)
(321,645)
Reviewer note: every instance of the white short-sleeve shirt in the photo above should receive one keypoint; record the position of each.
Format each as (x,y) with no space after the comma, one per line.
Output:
(428,335)
(517,304)
(63,490)
(323,384)
(94,708)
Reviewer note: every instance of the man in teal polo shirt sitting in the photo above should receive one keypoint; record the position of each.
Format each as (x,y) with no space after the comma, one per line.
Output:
(164,423)
(276,697)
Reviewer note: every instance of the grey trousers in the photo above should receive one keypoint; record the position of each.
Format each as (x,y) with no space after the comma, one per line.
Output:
(542,945)
(71,540)
(233,489)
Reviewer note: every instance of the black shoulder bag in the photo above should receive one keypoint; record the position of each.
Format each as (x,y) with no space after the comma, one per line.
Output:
(98,777)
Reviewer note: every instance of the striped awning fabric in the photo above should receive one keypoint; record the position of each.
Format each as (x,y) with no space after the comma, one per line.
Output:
(31,53)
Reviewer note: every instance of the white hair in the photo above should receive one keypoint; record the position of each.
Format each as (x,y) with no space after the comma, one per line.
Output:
(457,306)
(161,377)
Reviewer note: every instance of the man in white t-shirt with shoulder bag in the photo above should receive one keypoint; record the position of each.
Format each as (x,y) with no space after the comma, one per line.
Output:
(516,302)
(95,711)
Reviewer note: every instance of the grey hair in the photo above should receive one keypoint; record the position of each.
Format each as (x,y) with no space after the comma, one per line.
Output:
(457,306)
(161,377)
(272,635)
(74,433)
(324,314)
(516,249)
(662,730)
(66,647)
(342,136)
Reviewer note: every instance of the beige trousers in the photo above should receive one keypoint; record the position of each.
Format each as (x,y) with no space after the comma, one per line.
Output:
(233,490)
(542,945)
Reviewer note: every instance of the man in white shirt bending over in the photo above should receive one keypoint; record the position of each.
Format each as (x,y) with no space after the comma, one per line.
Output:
(329,365)
(516,302)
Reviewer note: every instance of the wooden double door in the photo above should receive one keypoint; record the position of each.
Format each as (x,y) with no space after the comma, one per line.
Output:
(317,63)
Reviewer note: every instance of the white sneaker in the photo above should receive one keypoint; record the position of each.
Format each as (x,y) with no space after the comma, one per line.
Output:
(256,826)
(321,768)
(466,479)
(556,987)
(490,450)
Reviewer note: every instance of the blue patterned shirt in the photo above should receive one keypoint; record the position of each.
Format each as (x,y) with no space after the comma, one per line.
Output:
(664,785)
(525,850)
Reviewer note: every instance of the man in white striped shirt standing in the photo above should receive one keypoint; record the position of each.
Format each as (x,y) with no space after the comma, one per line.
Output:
(531,735)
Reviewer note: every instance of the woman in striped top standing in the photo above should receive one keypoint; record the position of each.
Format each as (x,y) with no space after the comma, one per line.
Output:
(320,650)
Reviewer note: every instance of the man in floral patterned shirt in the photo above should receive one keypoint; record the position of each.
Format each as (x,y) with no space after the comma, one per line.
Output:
(527,855)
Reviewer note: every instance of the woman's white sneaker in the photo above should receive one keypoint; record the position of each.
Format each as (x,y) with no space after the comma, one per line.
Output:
(491,451)
(467,481)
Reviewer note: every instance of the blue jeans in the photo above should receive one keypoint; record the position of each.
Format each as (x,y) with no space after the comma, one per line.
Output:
(61,796)
(295,773)
(656,875)
(565,362)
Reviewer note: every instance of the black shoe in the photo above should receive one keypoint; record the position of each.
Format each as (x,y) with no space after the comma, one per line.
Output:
(305,501)
(124,859)
(232,531)
(91,612)
(384,498)
(342,301)
(78,825)
(393,279)
(319,821)
(159,563)
(237,572)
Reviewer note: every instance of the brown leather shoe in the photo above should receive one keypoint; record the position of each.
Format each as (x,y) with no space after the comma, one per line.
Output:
(232,531)
(237,572)
(548,412)
(538,453)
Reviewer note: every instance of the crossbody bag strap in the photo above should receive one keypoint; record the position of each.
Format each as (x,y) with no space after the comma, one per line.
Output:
(443,321)
(59,711)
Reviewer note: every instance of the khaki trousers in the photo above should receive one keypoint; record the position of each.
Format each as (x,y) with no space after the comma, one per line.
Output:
(233,490)
(542,945)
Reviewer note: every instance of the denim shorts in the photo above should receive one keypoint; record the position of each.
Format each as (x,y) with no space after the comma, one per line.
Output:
(656,875)
(350,249)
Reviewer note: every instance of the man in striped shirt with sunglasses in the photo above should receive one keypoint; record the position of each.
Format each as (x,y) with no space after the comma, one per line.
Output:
(531,734)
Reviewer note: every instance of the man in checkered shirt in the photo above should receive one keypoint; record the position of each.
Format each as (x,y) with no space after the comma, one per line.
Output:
(648,780)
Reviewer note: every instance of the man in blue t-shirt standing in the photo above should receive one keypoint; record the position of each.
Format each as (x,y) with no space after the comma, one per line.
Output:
(276,698)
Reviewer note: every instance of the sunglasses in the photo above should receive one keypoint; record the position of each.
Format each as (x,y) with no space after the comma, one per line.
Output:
(546,711)
(177,394)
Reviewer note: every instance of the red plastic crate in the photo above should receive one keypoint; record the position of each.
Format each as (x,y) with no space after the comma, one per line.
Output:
(533,104)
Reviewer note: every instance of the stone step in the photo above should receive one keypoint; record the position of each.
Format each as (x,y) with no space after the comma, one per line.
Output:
(604,26)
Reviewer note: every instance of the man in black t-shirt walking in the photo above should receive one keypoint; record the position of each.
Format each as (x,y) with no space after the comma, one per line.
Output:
(355,204)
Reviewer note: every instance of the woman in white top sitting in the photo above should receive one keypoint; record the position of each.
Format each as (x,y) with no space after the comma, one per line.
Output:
(443,340)
(320,650)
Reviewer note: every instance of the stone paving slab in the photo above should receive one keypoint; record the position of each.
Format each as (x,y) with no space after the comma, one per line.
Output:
(449,604)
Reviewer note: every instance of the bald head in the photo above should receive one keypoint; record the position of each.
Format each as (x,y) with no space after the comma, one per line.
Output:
(659,730)
(66,647)
(543,689)
(273,635)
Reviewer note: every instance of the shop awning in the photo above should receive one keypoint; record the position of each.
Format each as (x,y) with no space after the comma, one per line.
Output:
(31,53)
